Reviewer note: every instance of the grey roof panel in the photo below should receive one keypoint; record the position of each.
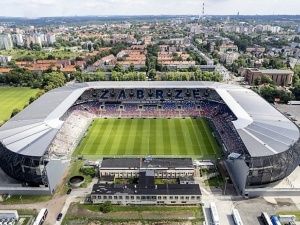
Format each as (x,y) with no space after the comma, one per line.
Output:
(252,143)
(10,132)
(38,146)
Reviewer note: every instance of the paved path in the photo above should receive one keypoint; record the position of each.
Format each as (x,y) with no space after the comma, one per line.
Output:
(224,204)
(54,206)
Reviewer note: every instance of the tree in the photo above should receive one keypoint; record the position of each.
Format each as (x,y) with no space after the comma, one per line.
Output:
(89,171)
(296,91)
(106,207)
(152,74)
(14,112)
(271,92)
(130,68)
(50,57)
(118,68)
(53,80)
(99,76)
(266,80)
(257,81)
(36,47)
(90,47)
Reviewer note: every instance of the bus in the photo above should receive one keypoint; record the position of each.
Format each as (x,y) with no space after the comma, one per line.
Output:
(40,219)
(266,219)
(275,220)
(236,217)
(214,214)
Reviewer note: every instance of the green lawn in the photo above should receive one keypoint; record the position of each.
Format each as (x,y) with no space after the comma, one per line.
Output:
(26,199)
(155,137)
(13,97)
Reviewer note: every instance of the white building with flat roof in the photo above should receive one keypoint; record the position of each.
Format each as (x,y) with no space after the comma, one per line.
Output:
(18,39)
(6,42)
(9,215)
(4,59)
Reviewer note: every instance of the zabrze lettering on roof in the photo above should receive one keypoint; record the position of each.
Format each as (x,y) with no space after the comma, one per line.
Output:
(141,94)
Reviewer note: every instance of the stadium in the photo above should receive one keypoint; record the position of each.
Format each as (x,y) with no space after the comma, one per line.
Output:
(259,145)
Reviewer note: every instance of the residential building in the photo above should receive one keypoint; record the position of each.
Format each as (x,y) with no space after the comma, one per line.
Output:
(162,167)
(146,192)
(4,59)
(279,77)
(50,38)
(6,42)
(107,60)
(180,41)
(178,64)
(18,39)
(255,48)
(187,180)
(230,47)
(229,57)
(5,70)
(35,39)
(127,25)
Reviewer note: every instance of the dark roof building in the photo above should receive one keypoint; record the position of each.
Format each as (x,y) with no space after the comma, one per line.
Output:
(146,192)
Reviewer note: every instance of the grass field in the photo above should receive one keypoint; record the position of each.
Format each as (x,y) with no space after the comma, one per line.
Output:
(13,97)
(57,53)
(155,137)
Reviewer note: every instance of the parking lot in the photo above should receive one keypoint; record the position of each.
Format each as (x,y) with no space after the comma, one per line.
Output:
(250,209)
(291,111)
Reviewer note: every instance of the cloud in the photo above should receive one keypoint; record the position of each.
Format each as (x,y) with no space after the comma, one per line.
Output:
(39,8)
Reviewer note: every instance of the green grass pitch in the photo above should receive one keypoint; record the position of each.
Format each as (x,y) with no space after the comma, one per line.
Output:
(13,97)
(156,137)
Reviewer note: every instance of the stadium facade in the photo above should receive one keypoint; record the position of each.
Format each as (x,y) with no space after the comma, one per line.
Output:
(260,145)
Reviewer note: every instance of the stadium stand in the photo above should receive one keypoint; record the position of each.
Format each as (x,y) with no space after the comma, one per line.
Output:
(264,141)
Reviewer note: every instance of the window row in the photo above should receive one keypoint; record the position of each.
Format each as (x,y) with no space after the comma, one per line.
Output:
(137,197)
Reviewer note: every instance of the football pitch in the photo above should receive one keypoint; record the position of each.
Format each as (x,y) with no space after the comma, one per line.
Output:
(14,97)
(155,137)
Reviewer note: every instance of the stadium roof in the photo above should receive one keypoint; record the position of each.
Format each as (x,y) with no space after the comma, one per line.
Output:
(263,129)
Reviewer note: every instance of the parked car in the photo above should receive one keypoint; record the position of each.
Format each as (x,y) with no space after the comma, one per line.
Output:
(69,191)
(59,217)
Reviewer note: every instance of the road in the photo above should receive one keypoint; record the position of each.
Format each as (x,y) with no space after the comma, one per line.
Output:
(224,204)
(226,76)
(54,207)
(202,55)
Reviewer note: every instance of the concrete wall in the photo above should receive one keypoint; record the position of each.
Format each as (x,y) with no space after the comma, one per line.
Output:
(238,171)
(25,190)
(257,192)
(55,171)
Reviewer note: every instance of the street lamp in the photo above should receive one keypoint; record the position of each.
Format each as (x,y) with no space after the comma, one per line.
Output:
(226,181)
(22,203)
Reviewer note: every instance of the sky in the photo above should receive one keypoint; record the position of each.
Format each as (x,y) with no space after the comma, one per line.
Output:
(45,8)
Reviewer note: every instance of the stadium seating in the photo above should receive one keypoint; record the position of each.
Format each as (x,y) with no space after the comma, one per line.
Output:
(74,126)
(192,103)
